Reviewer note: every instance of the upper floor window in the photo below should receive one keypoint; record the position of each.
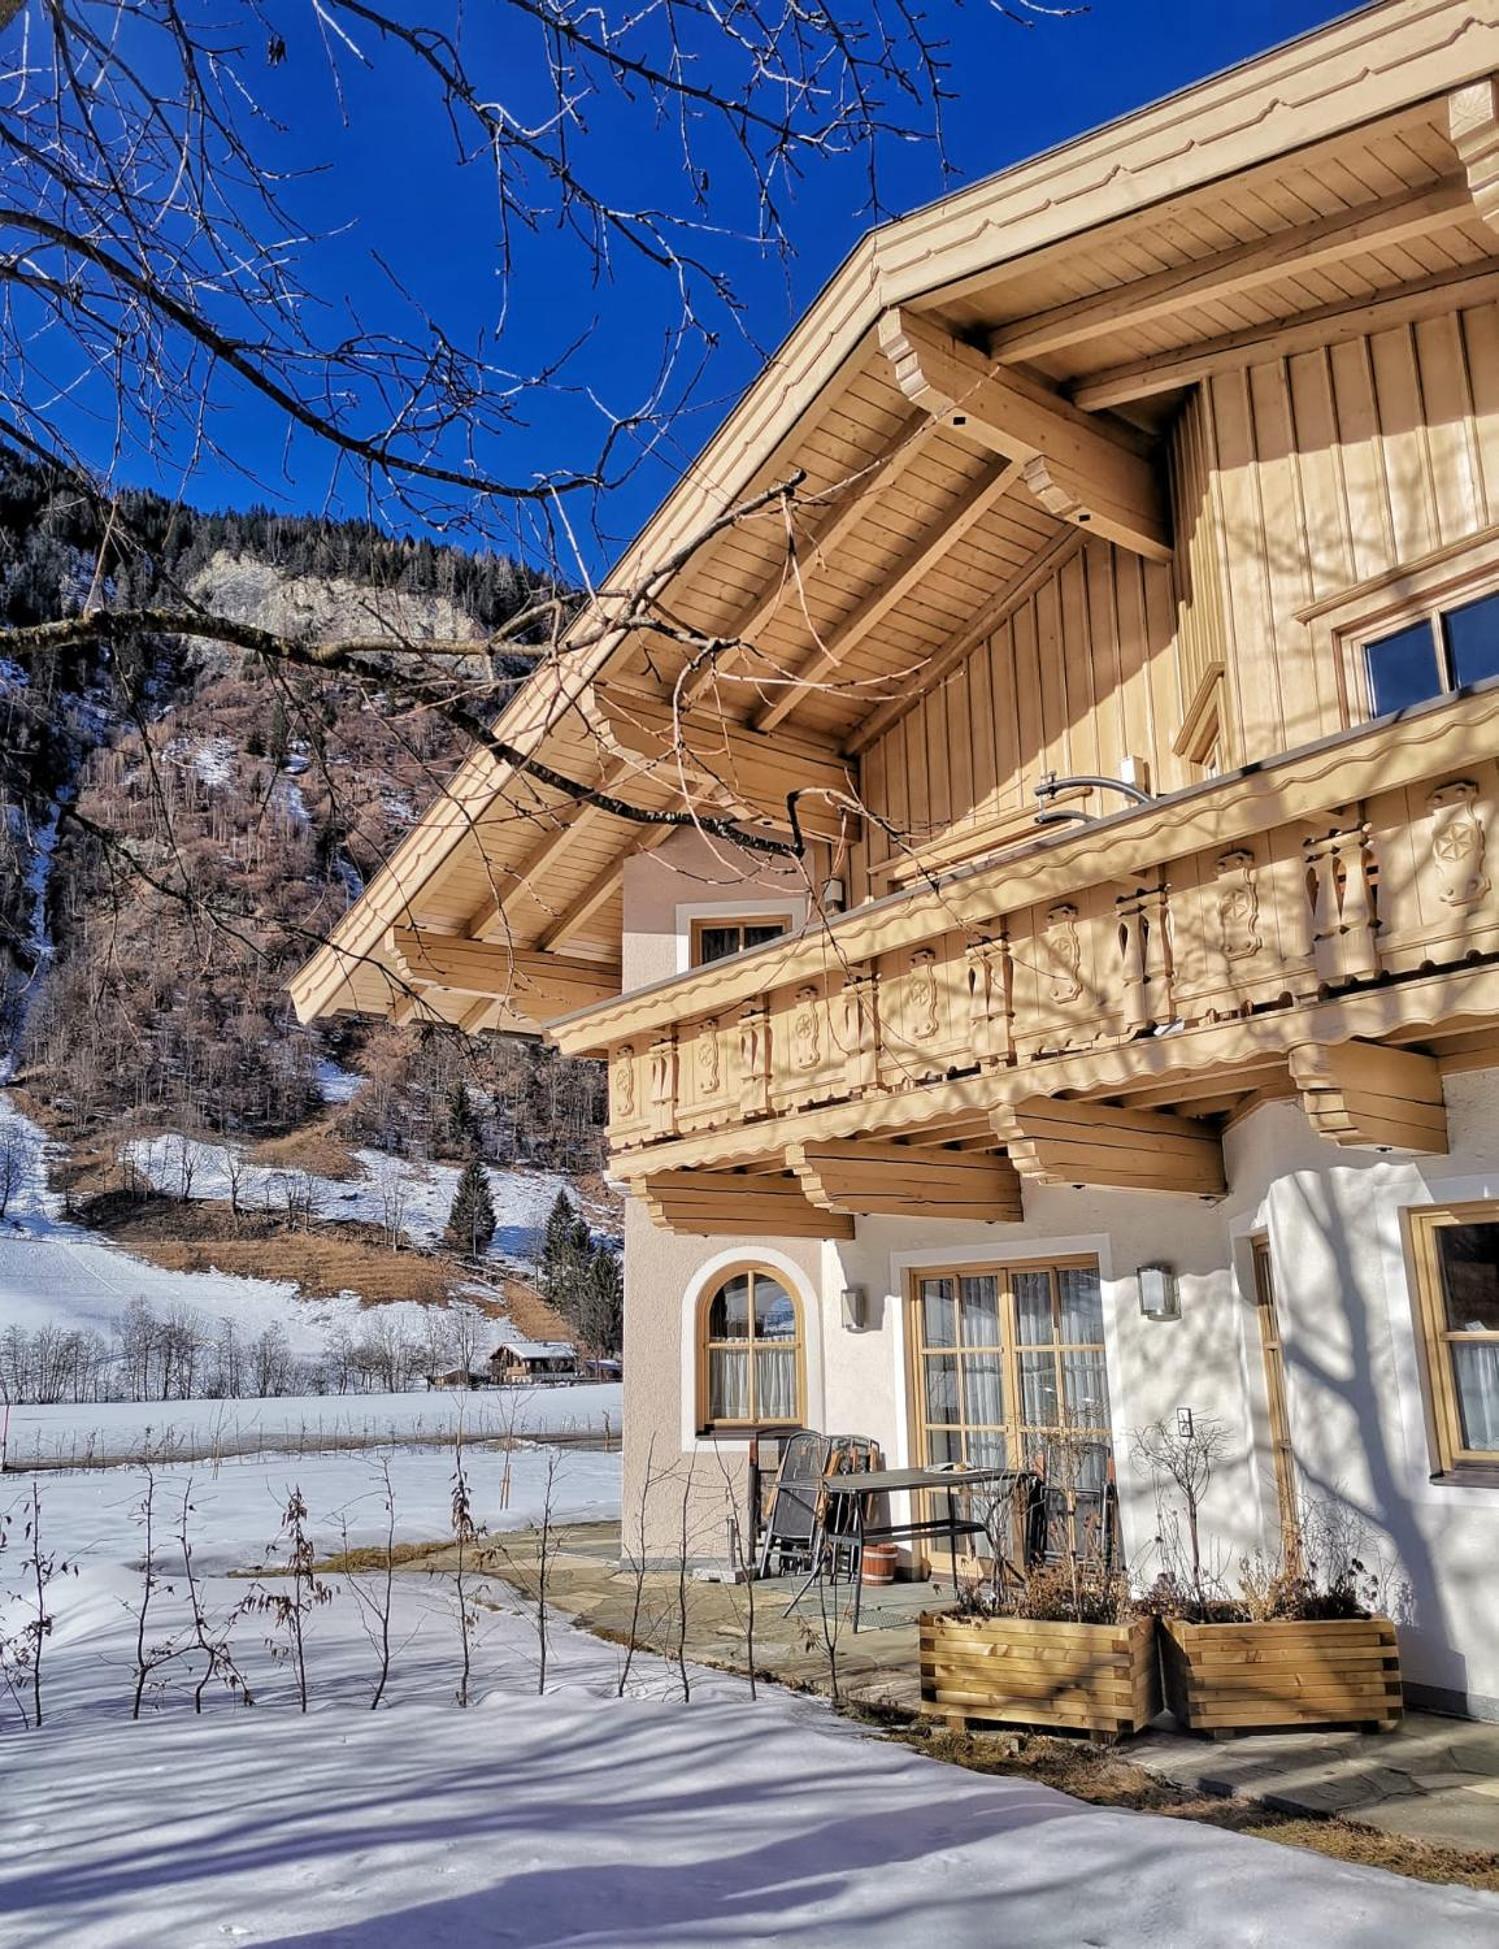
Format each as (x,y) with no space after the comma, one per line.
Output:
(749,1354)
(716,939)
(1443,650)
(1456,1252)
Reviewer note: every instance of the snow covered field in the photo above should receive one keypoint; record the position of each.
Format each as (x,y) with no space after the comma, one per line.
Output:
(575,1817)
(104,1430)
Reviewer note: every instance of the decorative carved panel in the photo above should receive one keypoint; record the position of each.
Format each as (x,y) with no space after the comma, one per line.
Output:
(1458,844)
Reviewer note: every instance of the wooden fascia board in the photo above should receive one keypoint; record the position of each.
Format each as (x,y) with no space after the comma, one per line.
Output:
(1412,1009)
(1080,469)
(1473,123)
(940,535)
(1215,812)
(1239,269)
(1305,331)
(863,1178)
(513,976)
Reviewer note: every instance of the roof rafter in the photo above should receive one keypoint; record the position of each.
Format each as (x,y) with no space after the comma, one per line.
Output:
(1080,469)
(1239,269)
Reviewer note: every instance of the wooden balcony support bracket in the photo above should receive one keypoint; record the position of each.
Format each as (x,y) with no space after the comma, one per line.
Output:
(863,1178)
(536,985)
(1084,470)
(1052,1141)
(1473,123)
(1363,1095)
(733,1204)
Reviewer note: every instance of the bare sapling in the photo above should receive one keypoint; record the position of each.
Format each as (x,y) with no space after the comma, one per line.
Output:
(209,1639)
(465,1536)
(149,1658)
(375,1596)
(741,1570)
(1182,1458)
(545,1550)
(289,1610)
(684,1588)
(633,1553)
(39,1568)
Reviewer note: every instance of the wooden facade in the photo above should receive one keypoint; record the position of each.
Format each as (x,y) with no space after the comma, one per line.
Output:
(1107,472)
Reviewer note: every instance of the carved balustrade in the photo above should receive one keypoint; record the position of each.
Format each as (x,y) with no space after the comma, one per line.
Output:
(1399,883)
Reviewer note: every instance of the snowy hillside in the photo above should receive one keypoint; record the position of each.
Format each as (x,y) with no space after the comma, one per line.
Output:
(394,1193)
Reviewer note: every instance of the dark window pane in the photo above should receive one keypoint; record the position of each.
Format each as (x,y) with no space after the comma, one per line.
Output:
(1470,1276)
(763,931)
(713,943)
(1473,640)
(1403,668)
(728,1317)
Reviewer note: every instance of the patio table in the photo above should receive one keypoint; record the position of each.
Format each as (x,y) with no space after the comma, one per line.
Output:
(860,1484)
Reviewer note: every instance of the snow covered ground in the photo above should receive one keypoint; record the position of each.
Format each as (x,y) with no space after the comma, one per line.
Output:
(57,1273)
(96,1431)
(573,1817)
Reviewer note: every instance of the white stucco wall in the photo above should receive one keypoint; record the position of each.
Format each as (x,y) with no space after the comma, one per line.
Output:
(686,879)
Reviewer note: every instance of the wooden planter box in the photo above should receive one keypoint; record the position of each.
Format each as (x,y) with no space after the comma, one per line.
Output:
(1098,1678)
(1227,1677)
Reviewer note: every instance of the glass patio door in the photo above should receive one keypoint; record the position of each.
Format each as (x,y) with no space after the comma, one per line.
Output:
(1007,1369)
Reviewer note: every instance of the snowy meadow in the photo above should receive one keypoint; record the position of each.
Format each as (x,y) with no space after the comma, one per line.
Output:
(578,1797)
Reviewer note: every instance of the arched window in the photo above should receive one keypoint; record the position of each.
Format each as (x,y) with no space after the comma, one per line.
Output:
(749,1353)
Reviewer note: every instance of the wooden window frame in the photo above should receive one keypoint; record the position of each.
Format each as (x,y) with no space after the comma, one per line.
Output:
(1454,1460)
(702,923)
(707,1428)
(1010,1348)
(1200,740)
(1344,625)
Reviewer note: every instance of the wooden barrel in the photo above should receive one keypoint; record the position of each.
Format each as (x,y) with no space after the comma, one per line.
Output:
(880,1560)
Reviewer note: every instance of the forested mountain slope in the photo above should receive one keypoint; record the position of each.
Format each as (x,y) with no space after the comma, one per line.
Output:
(130,772)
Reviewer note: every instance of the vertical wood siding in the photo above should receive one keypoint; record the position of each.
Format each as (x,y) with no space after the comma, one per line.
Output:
(1291,481)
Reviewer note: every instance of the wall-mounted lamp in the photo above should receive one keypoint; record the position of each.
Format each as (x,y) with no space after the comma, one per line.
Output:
(1159,1299)
(855,1308)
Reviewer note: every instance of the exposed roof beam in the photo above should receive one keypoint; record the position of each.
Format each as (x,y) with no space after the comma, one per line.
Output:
(1364,1095)
(1473,123)
(708,1203)
(754,771)
(940,534)
(1060,1141)
(529,983)
(1239,269)
(860,1177)
(1080,469)
(1307,331)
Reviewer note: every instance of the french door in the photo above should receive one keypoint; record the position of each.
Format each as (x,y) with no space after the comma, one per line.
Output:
(1008,1371)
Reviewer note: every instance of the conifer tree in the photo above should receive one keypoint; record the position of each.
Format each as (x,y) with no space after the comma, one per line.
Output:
(463,1125)
(471,1222)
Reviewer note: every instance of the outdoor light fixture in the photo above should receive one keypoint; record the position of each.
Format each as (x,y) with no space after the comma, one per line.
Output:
(855,1308)
(1158,1295)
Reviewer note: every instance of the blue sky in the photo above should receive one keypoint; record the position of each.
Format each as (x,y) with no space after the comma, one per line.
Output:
(387,187)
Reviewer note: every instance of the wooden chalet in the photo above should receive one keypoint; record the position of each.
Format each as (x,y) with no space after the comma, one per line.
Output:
(1110,1029)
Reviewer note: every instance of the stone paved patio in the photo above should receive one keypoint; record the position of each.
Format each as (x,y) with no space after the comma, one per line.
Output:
(1433,1779)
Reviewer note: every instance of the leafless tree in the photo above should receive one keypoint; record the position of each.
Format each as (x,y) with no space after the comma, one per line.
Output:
(40,1567)
(17,1161)
(150,1657)
(375,1595)
(545,1552)
(465,1536)
(211,1640)
(289,1609)
(633,1550)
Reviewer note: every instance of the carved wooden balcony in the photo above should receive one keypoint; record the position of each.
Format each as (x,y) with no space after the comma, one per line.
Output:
(1269,932)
